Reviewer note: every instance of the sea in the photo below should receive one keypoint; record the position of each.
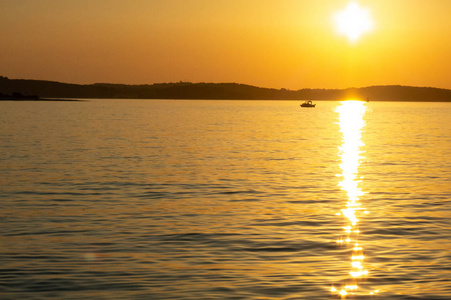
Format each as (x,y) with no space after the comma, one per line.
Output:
(196,199)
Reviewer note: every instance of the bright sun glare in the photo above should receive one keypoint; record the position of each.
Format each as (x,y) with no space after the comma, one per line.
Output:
(353,21)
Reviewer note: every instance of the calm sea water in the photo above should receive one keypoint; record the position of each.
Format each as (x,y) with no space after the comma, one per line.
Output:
(150,199)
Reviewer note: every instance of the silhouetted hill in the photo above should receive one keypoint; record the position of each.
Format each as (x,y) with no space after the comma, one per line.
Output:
(233,91)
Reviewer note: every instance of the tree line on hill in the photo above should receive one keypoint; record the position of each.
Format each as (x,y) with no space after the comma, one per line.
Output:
(231,91)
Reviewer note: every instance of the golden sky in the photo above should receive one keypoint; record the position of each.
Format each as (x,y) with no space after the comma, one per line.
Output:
(269,43)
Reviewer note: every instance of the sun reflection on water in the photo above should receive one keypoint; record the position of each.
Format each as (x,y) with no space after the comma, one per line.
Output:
(350,117)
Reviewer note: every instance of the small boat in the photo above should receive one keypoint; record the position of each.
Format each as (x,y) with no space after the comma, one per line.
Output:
(308,104)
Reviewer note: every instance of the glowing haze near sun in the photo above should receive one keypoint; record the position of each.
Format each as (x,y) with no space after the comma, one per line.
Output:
(353,21)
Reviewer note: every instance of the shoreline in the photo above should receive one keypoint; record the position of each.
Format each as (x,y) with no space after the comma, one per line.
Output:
(45,99)
(22,89)
(200,99)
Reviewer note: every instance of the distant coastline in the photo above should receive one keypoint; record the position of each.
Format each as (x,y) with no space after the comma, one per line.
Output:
(57,91)
(16,96)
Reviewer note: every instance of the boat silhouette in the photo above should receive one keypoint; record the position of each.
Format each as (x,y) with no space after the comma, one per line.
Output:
(308,104)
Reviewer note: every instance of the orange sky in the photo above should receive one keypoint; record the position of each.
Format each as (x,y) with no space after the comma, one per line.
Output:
(269,43)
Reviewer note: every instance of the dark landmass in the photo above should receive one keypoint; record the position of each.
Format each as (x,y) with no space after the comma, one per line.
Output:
(16,96)
(214,91)
(19,97)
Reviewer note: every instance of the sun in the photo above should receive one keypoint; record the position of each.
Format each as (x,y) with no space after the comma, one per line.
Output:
(353,21)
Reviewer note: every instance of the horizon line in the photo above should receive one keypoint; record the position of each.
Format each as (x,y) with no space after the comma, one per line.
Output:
(246,84)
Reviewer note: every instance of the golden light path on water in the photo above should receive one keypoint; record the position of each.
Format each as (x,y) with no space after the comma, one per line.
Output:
(350,119)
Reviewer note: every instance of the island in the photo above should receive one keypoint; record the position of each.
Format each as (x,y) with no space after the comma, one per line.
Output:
(14,89)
